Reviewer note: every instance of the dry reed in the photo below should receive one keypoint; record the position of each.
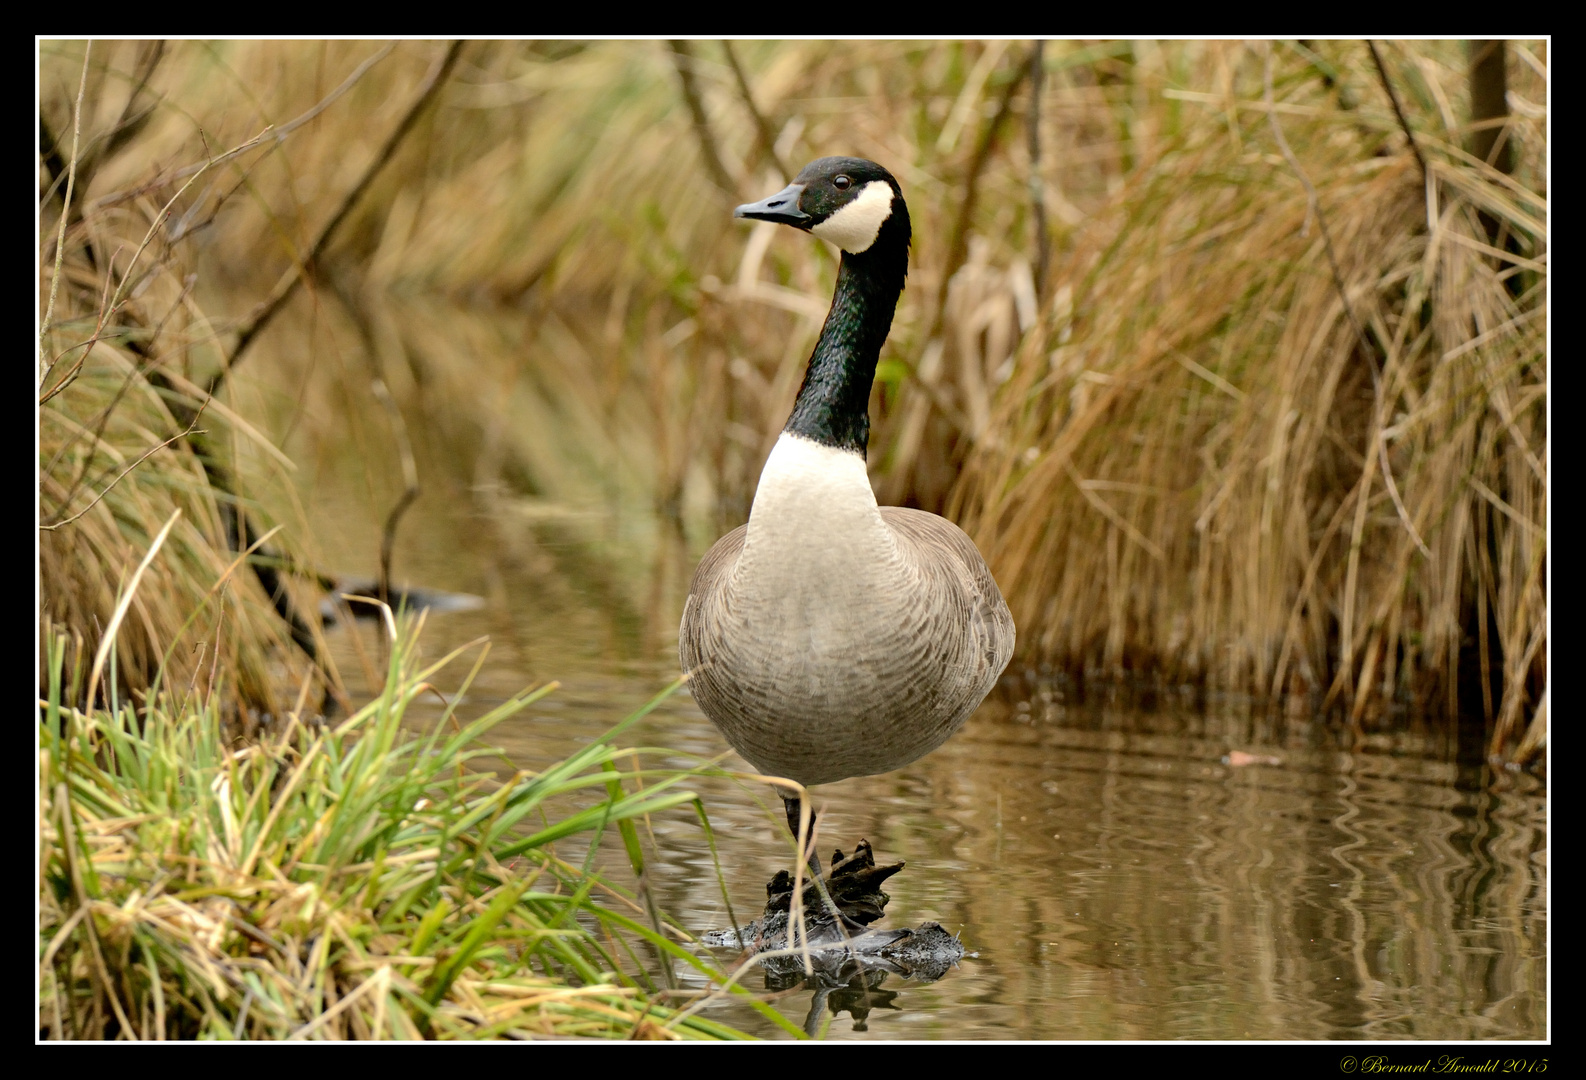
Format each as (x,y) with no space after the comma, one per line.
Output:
(1200,469)
(126,440)
(1176,455)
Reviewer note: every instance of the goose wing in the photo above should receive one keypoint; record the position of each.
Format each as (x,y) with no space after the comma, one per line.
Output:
(959,577)
(709,579)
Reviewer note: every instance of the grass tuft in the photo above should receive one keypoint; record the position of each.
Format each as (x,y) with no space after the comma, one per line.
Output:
(348,882)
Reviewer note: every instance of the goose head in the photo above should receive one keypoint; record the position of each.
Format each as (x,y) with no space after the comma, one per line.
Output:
(857,205)
(851,202)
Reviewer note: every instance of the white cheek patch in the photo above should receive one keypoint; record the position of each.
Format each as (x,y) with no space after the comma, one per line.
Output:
(855,227)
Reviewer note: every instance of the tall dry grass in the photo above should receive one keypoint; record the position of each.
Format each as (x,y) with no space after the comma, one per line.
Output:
(1166,446)
(1202,467)
(564,181)
(130,443)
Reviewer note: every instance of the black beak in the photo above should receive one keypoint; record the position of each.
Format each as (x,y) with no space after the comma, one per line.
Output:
(783,208)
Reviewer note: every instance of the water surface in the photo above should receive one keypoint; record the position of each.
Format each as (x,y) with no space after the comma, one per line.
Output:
(1192,871)
(1114,871)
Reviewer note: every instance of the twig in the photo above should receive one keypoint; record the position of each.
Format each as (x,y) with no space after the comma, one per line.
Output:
(958,244)
(122,475)
(410,492)
(1346,650)
(1313,204)
(1037,188)
(60,236)
(1382,73)
(131,121)
(281,133)
(683,60)
(265,311)
(761,127)
(108,310)
(134,373)
(382,393)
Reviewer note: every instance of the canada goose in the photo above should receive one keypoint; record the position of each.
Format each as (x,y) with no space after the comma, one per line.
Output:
(830,637)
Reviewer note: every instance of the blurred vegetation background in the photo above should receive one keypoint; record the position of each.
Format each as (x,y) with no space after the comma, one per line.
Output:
(1231,356)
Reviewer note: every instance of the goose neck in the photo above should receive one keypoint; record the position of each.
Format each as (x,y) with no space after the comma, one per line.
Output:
(833,404)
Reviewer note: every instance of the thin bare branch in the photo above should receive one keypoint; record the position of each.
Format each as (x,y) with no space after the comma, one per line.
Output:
(122,475)
(958,242)
(264,312)
(1037,185)
(60,236)
(683,60)
(106,311)
(1314,209)
(410,491)
(1409,133)
(279,134)
(762,127)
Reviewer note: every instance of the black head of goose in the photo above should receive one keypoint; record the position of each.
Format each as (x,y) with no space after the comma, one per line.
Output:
(831,637)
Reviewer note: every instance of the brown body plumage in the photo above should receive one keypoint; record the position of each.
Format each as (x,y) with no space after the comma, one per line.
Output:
(857,671)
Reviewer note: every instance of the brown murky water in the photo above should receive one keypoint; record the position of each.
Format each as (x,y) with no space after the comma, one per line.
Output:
(1189,872)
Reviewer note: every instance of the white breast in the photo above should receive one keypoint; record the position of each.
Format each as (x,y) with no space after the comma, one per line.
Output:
(840,640)
(814,526)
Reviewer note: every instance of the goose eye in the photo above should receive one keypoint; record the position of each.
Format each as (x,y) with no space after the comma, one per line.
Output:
(841,183)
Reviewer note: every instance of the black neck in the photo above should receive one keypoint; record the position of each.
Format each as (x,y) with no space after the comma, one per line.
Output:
(833,406)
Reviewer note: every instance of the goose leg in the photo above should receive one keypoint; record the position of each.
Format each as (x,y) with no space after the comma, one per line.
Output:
(791,803)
